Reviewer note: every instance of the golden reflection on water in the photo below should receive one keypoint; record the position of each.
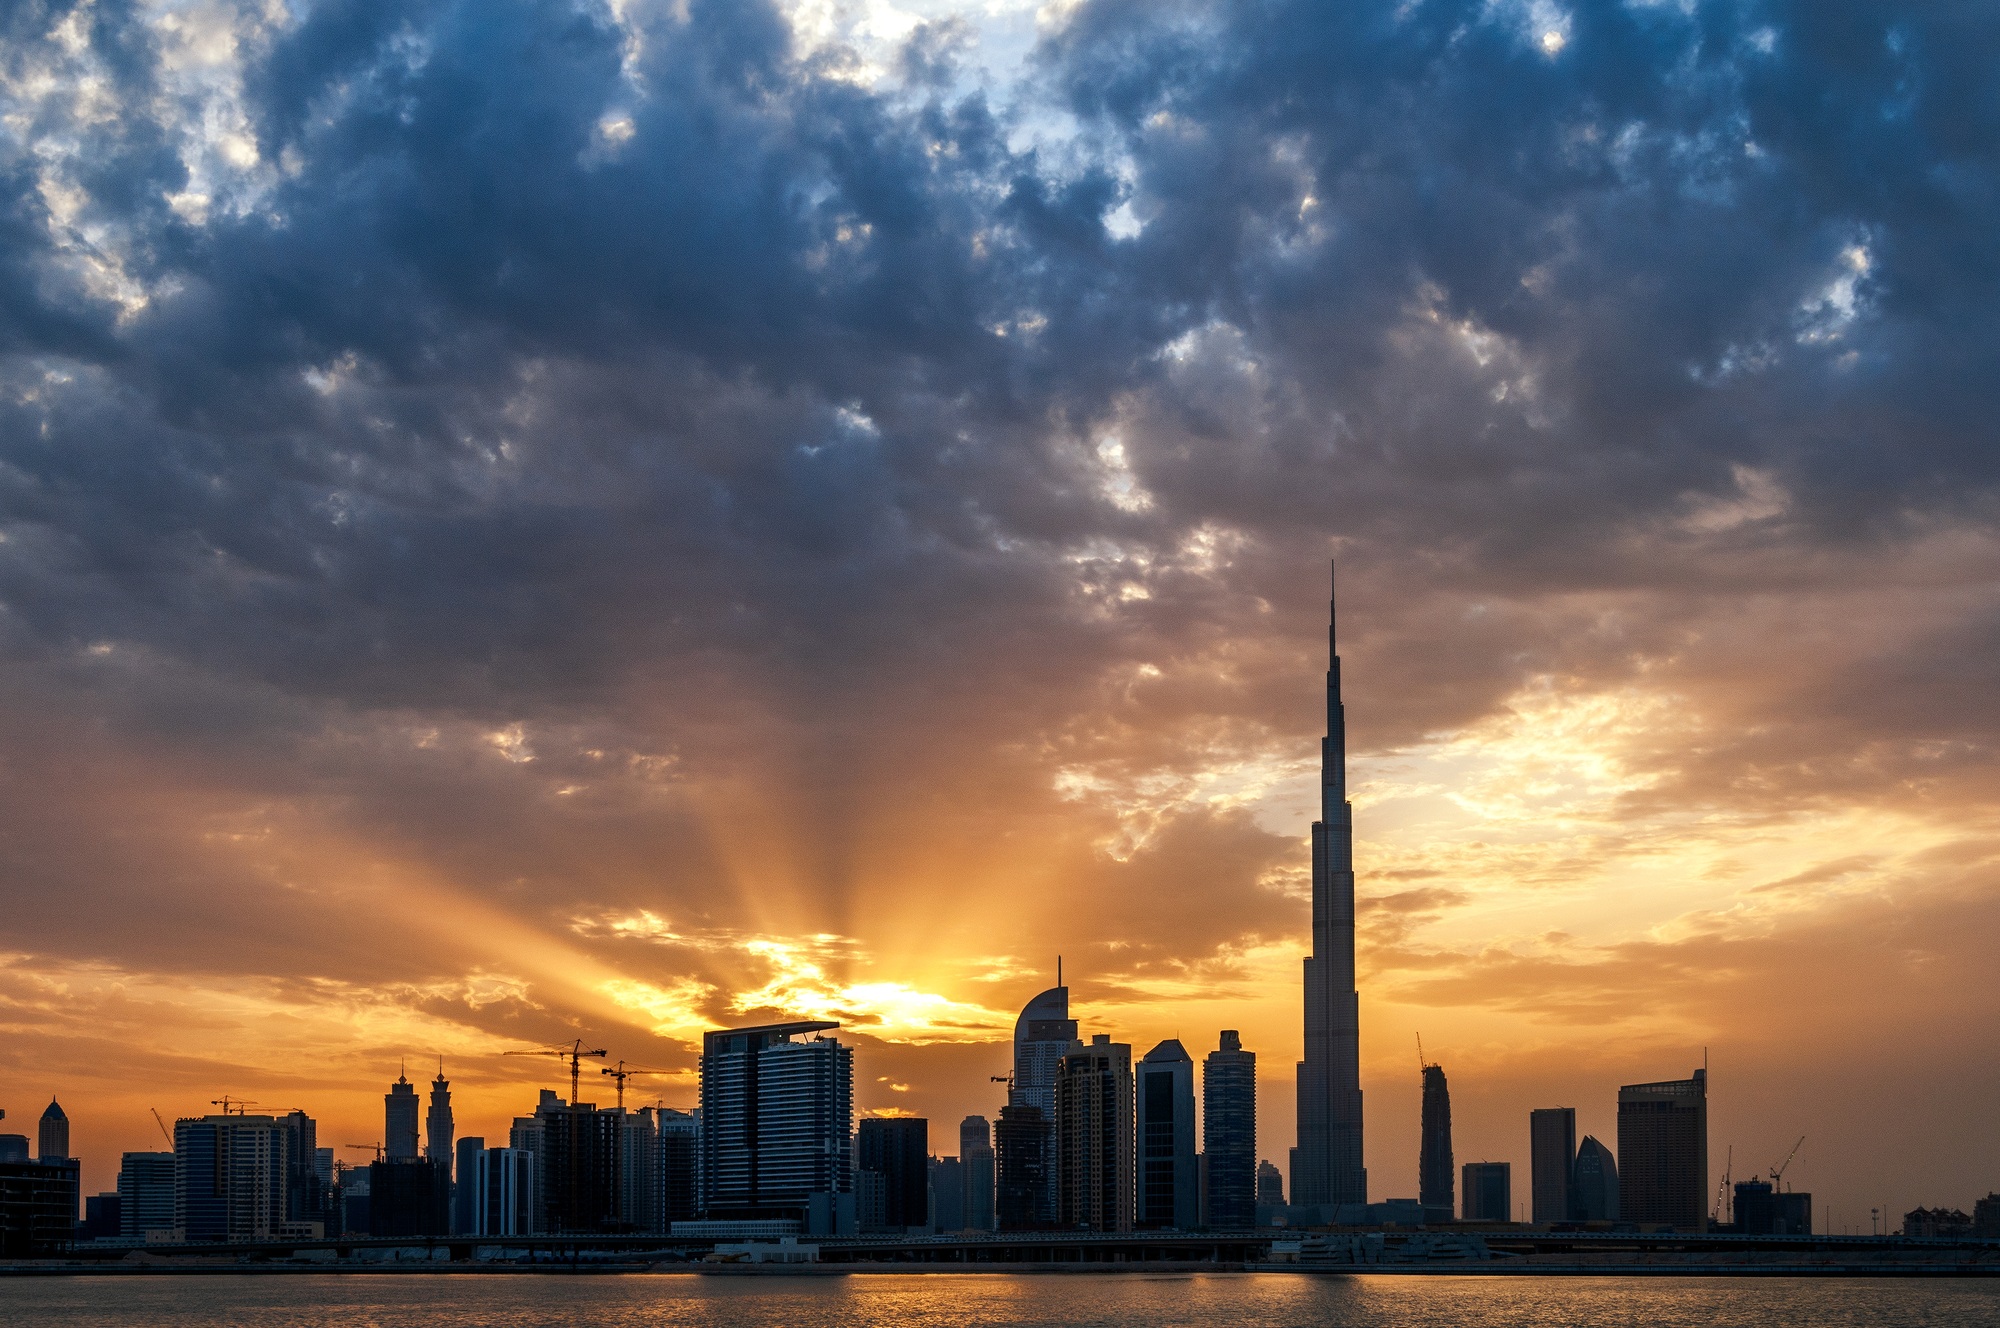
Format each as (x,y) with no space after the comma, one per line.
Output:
(1049,1300)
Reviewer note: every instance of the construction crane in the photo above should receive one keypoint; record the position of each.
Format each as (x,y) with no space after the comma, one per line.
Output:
(165,1133)
(573,1053)
(377,1149)
(621,1073)
(1778,1172)
(1723,1189)
(226,1102)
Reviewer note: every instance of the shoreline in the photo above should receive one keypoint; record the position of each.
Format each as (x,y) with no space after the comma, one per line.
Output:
(415,1268)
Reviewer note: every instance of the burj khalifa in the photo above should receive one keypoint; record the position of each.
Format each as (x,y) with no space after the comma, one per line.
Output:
(1326,1165)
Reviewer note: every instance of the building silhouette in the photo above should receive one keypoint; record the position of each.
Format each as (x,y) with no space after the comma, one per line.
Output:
(1489,1192)
(1762,1211)
(230,1174)
(437,1122)
(1551,1158)
(639,1171)
(145,1193)
(53,1135)
(103,1216)
(1593,1183)
(777,1123)
(1167,1174)
(1270,1184)
(1663,1153)
(1094,1137)
(399,1120)
(15,1148)
(1229,1135)
(898,1149)
(409,1196)
(306,1198)
(38,1203)
(581,1167)
(524,1135)
(975,1155)
(947,1193)
(680,1172)
(1327,1165)
(1043,1034)
(466,1152)
(1434,1164)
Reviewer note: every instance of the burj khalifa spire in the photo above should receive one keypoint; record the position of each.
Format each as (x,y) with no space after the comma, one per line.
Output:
(1326,1165)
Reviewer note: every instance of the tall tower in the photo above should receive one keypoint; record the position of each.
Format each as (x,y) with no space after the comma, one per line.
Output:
(1327,1166)
(1434,1165)
(399,1119)
(437,1121)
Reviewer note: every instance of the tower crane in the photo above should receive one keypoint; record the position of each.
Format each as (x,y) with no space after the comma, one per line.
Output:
(165,1133)
(377,1149)
(621,1073)
(1778,1172)
(226,1102)
(573,1053)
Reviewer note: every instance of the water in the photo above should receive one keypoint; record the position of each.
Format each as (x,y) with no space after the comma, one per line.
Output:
(1125,1300)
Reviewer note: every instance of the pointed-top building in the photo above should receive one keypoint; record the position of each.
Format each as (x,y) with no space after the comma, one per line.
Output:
(1327,1166)
(437,1121)
(399,1119)
(52,1145)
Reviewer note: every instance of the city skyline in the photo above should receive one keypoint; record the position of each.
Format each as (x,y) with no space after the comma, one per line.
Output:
(482,563)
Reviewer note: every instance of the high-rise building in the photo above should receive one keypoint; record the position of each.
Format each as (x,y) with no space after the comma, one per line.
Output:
(1021,1168)
(1663,1152)
(437,1122)
(975,1154)
(680,1171)
(898,1149)
(1229,1135)
(145,1193)
(409,1196)
(54,1135)
(777,1122)
(1270,1183)
(38,1202)
(102,1216)
(230,1175)
(14,1148)
(1327,1165)
(502,1184)
(639,1172)
(1489,1192)
(1168,1177)
(1434,1179)
(399,1120)
(305,1197)
(525,1135)
(465,1189)
(947,1193)
(1094,1137)
(1551,1158)
(581,1167)
(1593,1183)
(1043,1035)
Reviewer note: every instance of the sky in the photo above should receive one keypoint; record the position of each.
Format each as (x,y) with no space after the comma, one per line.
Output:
(535,519)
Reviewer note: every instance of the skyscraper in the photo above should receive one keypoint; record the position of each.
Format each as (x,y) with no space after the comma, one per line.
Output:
(1169,1184)
(53,1144)
(898,1149)
(777,1121)
(1327,1166)
(1094,1139)
(305,1198)
(1663,1152)
(465,1203)
(1489,1193)
(1020,1168)
(639,1171)
(146,1193)
(1043,1035)
(399,1120)
(1434,1179)
(975,1155)
(437,1121)
(229,1177)
(1594,1183)
(502,1182)
(581,1167)
(680,1179)
(1552,1156)
(1229,1134)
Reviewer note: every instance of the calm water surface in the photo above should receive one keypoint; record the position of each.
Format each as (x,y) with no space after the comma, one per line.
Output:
(1030,1301)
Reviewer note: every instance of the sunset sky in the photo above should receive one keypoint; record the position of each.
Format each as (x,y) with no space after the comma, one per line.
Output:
(523,520)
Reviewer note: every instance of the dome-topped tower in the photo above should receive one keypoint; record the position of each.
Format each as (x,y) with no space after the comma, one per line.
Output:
(54,1141)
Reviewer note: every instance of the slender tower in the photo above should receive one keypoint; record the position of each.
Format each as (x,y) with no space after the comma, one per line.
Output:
(1327,1167)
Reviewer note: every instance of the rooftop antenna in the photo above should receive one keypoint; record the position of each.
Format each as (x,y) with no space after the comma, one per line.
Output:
(1059,970)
